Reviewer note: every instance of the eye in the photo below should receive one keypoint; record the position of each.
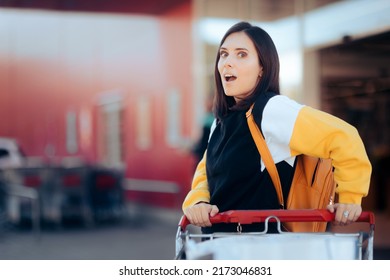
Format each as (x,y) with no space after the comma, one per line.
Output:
(242,54)
(223,54)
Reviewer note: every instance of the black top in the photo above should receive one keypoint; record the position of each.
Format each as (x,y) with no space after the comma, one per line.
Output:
(234,170)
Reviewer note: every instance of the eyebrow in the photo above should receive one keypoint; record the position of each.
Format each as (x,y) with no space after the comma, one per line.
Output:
(236,49)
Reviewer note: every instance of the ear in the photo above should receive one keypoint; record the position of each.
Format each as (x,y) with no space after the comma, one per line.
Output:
(261,72)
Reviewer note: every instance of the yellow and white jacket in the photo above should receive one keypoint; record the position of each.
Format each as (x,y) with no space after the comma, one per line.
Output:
(291,129)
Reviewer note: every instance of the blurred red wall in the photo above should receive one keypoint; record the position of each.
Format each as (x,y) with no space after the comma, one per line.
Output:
(52,63)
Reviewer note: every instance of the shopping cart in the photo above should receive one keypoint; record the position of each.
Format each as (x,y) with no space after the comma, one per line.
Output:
(282,245)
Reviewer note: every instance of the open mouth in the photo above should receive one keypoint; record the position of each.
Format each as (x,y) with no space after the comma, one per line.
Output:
(230,78)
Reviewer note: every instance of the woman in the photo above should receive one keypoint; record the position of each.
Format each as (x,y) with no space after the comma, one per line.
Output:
(231,175)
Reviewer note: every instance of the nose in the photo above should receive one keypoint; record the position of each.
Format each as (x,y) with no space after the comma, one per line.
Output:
(228,63)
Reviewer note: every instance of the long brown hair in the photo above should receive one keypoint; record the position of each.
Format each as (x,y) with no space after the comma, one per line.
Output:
(268,59)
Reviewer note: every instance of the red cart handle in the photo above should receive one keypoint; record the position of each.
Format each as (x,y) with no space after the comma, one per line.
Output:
(257,216)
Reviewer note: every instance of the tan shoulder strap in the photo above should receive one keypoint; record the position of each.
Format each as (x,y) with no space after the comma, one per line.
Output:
(265,154)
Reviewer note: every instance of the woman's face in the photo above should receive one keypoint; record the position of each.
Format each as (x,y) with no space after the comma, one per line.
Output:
(239,66)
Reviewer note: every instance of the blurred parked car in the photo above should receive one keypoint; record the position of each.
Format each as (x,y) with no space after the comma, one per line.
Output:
(16,194)
(11,155)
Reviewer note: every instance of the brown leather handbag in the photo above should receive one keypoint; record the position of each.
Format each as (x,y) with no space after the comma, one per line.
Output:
(313,185)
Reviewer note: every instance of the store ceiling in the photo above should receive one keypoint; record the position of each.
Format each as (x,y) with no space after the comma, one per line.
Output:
(249,9)
(152,7)
(264,9)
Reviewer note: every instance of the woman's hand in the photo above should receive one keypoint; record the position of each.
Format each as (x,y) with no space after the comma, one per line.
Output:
(199,214)
(345,213)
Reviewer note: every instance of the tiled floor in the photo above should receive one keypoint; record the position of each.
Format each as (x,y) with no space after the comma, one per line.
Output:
(123,241)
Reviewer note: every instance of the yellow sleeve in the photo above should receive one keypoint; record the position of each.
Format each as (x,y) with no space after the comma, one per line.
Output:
(319,134)
(199,187)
